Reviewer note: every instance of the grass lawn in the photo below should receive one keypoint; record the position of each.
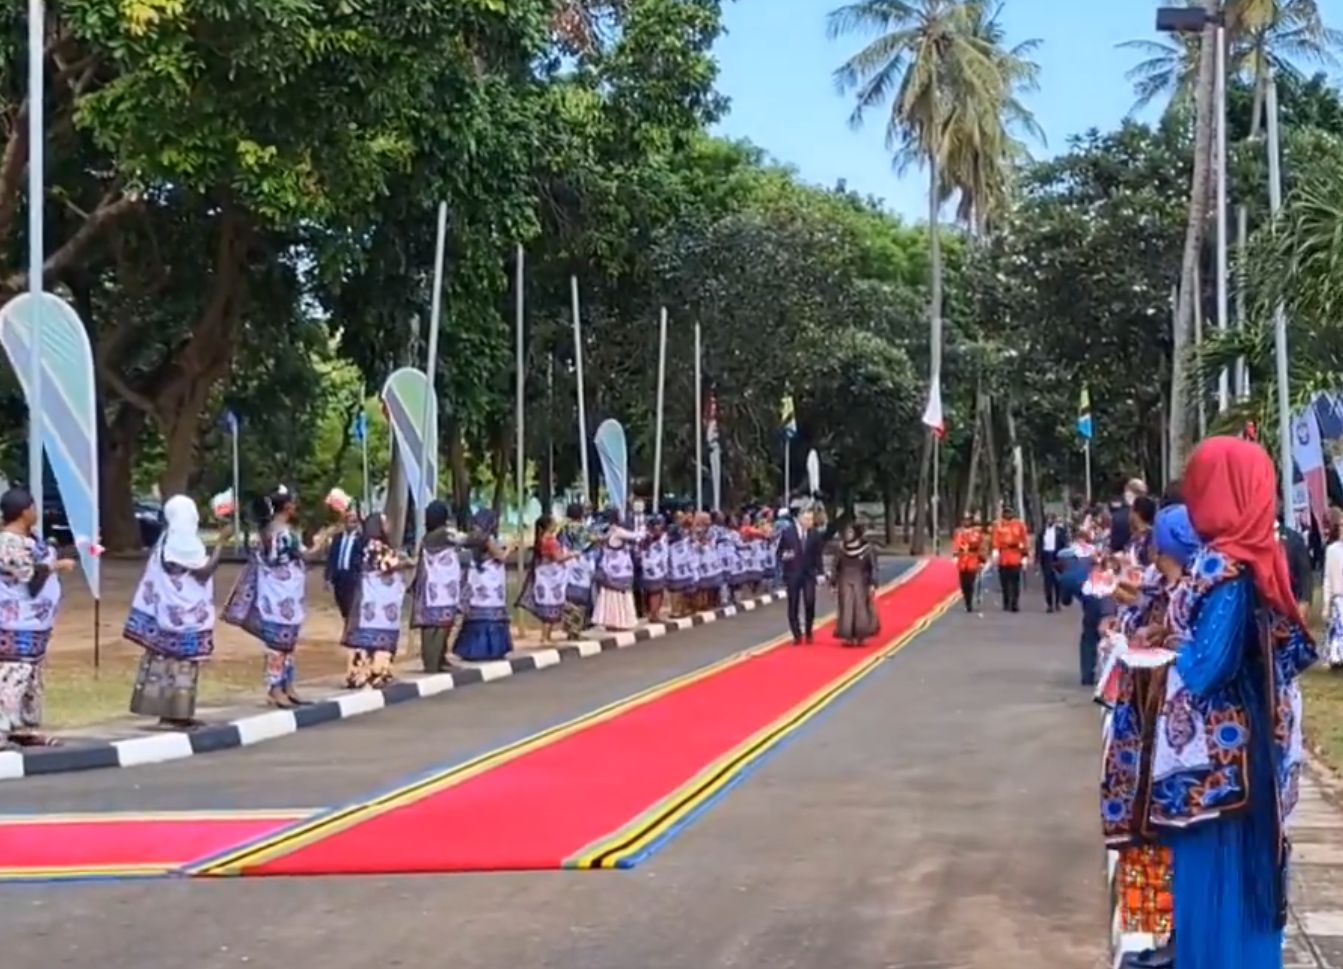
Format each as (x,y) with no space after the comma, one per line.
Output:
(1322,691)
(77,696)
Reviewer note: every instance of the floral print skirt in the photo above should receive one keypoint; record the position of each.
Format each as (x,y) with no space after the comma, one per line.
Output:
(21,691)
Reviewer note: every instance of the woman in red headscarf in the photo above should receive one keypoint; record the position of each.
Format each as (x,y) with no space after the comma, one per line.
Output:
(1220,776)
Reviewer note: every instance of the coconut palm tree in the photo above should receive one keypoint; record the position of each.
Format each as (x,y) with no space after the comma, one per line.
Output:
(985,147)
(1274,35)
(929,67)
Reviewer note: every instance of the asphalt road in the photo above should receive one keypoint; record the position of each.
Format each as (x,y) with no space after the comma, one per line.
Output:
(941,816)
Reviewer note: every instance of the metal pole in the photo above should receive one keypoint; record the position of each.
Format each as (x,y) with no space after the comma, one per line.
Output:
(1242,236)
(1279,313)
(937,467)
(37,19)
(363,446)
(662,386)
(428,487)
(787,469)
(1086,450)
(237,490)
(521,403)
(582,407)
(699,426)
(1223,384)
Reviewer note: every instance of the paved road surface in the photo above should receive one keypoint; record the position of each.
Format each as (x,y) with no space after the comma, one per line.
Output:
(942,816)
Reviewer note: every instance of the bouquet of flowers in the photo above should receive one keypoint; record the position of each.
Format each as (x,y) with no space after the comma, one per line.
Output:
(338,501)
(223,504)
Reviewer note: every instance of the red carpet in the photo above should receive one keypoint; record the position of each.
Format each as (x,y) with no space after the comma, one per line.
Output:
(542,808)
(90,845)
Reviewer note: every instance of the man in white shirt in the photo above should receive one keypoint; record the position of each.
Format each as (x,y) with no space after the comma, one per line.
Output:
(1052,540)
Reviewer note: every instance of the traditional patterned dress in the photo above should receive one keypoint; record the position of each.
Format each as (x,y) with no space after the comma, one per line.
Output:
(30,594)
(268,601)
(1205,753)
(709,569)
(373,628)
(485,631)
(681,573)
(576,539)
(615,582)
(172,619)
(436,597)
(544,592)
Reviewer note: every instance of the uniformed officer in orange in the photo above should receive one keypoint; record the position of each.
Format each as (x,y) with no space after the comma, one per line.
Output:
(967,546)
(1011,543)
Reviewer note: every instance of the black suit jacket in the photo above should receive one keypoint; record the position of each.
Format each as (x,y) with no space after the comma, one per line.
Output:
(333,556)
(801,559)
(1060,542)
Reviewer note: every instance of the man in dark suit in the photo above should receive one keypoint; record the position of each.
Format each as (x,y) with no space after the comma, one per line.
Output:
(342,563)
(801,549)
(1052,540)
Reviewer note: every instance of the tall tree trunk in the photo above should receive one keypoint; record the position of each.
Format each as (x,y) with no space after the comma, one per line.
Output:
(889,511)
(1037,497)
(919,535)
(119,446)
(991,460)
(1018,483)
(461,477)
(976,447)
(1178,430)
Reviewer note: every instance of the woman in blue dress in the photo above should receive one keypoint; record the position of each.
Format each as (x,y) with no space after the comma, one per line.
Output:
(1214,772)
(486,633)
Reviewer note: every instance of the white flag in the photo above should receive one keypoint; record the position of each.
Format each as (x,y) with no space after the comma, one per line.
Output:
(932,414)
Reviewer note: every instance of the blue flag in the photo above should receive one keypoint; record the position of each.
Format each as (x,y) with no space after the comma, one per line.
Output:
(1084,427)
(360,427)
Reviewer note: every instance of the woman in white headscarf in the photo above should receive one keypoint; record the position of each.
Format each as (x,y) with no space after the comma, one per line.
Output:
(173,617)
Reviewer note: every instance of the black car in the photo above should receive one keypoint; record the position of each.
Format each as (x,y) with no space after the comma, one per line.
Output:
(56,526)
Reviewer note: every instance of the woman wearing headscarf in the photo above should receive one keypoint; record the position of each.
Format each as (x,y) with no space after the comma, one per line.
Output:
(172,616)
(855,579)
(1212,740)
(485,634)
(373,628)
(436,593)
(269,598)
(30,594)
(576,539)
(543,590)
(614,577)
(654,566)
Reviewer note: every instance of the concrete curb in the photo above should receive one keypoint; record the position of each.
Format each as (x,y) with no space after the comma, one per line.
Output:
(246,731)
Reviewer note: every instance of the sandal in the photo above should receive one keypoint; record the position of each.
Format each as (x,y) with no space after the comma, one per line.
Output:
(33,740)
(279,701)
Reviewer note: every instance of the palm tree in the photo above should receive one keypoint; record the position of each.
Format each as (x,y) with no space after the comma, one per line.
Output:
(933,70)
(1273,35)
(1168,69)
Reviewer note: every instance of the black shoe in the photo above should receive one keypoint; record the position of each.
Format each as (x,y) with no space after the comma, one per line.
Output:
(797,640)
(1163,958)
(809,639)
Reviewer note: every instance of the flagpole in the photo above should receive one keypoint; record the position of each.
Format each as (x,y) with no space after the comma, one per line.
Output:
(363,446)
(430,434)
(937,456)
(699,425)
(37,19)
(787,458)
(237,494)
(1086,450)
(662,387)
(578,370)
(521,401)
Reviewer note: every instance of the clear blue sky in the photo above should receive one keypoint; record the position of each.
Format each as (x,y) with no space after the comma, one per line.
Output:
(776,66)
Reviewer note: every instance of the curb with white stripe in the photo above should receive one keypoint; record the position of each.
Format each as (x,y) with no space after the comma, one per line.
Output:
(177,745)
